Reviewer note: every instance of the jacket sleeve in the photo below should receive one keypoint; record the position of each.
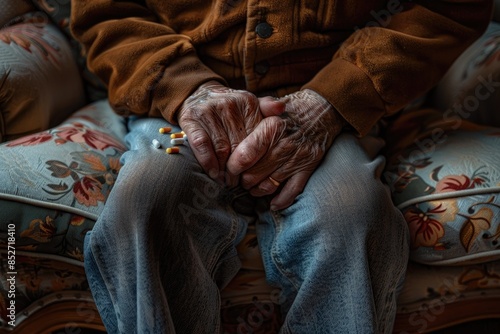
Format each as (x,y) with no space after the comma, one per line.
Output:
(383,66)
(148,68)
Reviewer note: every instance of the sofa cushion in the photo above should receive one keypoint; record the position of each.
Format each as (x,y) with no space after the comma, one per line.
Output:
(470,90)
(59,13)
(445,178)
(39,80)
(444,166)
(55,182)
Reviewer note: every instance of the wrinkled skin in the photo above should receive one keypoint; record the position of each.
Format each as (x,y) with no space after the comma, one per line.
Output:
(288,147)
(216,119)
(237,137)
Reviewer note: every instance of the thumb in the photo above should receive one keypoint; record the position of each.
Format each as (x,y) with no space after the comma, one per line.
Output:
(269,106)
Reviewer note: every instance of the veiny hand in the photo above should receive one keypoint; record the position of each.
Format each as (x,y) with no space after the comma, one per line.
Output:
(287,148)
(216,119)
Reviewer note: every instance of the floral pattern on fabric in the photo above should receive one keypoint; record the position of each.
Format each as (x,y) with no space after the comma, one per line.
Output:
(90,173)
(425,230)
(31,38)
(62,178)
(51,231)
(445,180)
(54,184)
(431,295)
(40,230)
(39,279)
(76,133)
(59,12)
(462,182)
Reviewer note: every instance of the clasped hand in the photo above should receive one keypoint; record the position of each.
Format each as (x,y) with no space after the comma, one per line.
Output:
(239,138)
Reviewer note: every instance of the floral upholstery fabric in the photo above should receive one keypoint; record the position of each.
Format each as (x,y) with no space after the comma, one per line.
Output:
(40,282)
(444,166)
(434,297)
(444,177)
(446,182)
(58,11)
(39,80)
(54,183)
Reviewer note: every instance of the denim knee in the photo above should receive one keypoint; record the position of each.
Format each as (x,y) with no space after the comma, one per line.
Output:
(156,176)
(355,202)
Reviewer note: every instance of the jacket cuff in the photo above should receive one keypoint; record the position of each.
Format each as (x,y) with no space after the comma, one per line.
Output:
(180,79)
(351,92)
(167,88)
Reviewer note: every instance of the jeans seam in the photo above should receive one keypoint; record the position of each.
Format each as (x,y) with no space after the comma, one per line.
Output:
(275,251)
(222,248)
(395,284)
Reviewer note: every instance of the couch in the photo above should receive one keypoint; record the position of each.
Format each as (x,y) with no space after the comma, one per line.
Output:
(59,157)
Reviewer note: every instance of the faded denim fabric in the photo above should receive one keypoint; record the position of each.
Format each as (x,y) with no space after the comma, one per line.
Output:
(165,243)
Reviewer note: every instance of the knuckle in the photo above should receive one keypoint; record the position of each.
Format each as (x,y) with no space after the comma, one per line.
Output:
(222,147)
(200,143)
(249,98)
(248,95)
(275,122)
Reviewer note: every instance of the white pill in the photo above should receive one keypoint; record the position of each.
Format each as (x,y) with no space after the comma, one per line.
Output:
(177,141)
(156,143)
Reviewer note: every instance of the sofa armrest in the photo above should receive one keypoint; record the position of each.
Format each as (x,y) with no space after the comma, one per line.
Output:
(470,90)
(40,83)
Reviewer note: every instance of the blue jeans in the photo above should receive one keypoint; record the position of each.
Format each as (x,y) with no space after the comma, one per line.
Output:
(165,243)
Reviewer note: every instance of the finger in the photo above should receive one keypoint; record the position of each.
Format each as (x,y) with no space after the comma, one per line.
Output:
(236,129)
(271,107)
(232,120)
(201,145)
(292,188)
(217,127)
(266,187)
(258,175)
(255,146)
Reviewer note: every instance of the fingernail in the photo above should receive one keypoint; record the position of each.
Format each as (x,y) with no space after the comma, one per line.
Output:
(274,207)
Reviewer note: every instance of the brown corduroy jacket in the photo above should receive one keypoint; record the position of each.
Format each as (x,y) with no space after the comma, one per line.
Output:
(368,58)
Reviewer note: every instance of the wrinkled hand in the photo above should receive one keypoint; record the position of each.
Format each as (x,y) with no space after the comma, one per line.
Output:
(287,148)
(216,119)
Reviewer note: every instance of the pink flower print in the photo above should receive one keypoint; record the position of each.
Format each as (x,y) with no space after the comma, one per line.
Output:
(425,231)
(78,133)
(31,140)
(88,191)
(457,182)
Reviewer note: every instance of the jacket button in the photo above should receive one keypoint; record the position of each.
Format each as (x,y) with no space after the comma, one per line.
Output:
(264,30)
(261,67)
